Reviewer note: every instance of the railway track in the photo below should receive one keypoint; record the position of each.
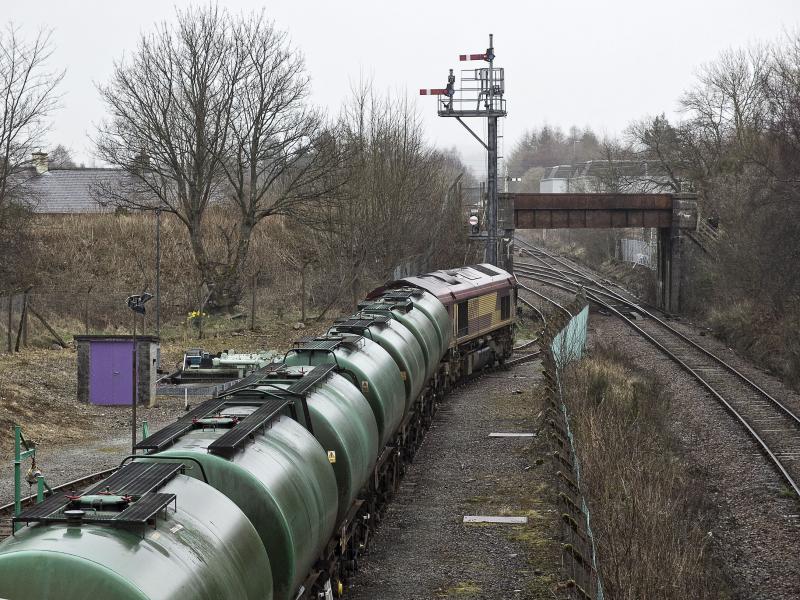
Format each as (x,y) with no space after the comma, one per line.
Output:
(773,426)
(522,359)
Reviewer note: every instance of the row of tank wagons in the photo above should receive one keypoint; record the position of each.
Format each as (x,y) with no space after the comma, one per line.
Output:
(275,494)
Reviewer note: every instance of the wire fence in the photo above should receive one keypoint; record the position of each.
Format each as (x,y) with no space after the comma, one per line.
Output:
(638,252)
(564,342)
(41,318)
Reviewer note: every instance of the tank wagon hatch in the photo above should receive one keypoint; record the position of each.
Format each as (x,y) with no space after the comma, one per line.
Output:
(259,404)
(127,499)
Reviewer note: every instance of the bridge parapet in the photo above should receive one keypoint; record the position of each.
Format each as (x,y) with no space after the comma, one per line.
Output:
(684,211)
(671,214)
(602,211)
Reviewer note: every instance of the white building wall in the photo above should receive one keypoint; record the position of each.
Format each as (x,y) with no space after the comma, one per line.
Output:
(553,186)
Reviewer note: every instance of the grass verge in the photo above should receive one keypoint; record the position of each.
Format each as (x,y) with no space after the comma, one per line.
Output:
(648,508)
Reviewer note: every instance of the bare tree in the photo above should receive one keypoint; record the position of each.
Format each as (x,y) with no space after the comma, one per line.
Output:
(782,153)
(279,159)
(211,114)
(60,157)
(27,96)
(545,147)
(395,191)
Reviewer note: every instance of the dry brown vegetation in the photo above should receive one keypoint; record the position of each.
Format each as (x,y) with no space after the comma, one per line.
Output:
(81,269)
(86,265)
(647,505)
(29,392)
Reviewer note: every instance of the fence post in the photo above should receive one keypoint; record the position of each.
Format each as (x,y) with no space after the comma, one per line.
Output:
(86,310)
(25,320)
(9,323)
(564,340)
(253,283)
(22,318)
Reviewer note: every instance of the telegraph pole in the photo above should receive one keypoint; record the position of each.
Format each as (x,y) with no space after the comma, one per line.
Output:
(480,95)
(136,304)
(491,169)
(158,286)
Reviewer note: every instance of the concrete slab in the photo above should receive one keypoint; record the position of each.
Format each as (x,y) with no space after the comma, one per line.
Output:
(503,520)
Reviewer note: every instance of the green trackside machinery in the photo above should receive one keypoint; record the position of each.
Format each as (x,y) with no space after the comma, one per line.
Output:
(34,475)
(199,365)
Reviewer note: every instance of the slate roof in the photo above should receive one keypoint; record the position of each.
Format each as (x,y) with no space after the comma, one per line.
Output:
(68,191)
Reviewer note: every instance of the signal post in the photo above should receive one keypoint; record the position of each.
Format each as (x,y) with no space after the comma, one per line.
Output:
(481,95)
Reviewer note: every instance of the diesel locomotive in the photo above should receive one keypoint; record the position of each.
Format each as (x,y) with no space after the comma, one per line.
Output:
(271,490)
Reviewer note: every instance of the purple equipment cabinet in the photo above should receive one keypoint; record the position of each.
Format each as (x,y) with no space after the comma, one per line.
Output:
(104,368)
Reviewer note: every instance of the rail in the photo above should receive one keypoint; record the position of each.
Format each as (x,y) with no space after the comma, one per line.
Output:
(743,407)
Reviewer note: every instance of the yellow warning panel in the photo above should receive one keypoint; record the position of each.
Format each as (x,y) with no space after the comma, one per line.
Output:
(482,305)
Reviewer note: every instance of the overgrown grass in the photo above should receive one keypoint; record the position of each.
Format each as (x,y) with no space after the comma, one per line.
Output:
(771,340)
(649,513)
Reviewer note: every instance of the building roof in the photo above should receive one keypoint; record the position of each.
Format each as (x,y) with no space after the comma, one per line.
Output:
(80,191)
(600,168)
(68,191)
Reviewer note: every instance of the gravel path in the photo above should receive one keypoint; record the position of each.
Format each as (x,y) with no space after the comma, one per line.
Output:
(424,550)
(757,534)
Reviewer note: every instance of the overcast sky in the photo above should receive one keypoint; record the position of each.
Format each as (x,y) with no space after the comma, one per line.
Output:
(589,62)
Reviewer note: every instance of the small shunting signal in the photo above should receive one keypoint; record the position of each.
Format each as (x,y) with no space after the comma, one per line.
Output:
(474,228)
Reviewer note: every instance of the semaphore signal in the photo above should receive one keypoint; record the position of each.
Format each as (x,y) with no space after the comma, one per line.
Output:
(480,95)
(465,57)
